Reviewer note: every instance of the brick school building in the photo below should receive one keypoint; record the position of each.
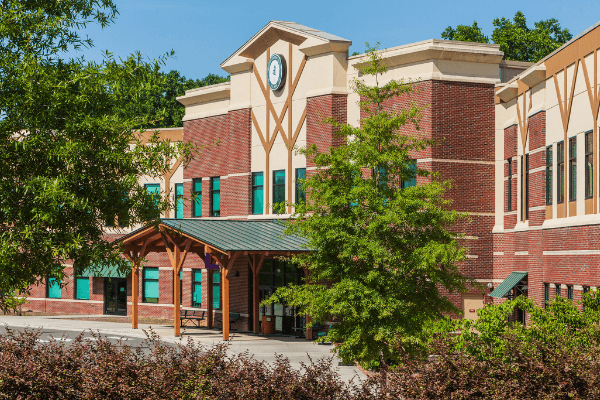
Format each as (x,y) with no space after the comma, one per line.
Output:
(284,81)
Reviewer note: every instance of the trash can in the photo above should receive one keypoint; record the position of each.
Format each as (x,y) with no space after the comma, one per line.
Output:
(268,325)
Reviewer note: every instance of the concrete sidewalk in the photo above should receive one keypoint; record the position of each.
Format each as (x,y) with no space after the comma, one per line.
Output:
(261,347)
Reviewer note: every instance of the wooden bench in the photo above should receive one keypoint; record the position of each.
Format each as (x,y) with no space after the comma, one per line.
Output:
(194,316)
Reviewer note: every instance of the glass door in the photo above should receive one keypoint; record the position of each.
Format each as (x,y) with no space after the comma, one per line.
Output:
(115,296)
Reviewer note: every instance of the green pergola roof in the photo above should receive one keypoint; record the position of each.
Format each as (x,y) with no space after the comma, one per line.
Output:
(232,235)
(510,282)
(104,271)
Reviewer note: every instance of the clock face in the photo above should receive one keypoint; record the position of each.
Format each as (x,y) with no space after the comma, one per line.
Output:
(276,72)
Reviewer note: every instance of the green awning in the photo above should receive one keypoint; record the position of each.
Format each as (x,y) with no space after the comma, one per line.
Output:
(105,271)
(510,282)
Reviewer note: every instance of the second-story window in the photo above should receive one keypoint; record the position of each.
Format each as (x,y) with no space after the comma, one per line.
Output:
(560,170)
(526,186)
(573,169)
(257,193)
(412,171)
(509,186)
(278,188)
(215,197)
(197,197)
(300,192)
(153,189)
(522,198)
(179,200)
(589,165)
(549,175)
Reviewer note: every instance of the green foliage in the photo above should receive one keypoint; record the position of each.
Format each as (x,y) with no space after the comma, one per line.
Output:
(516,39)
(383,252)
(465,33)
(489,335)
(66,160)
(156,98)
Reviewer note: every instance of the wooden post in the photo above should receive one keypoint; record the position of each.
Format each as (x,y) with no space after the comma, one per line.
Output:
(177,258)
(308,319)
(226,266)
(135,288)
(209,293)
(256,266)
(176,300)
(225,285)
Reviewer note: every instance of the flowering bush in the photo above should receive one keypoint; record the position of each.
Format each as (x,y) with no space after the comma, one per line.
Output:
(97,369)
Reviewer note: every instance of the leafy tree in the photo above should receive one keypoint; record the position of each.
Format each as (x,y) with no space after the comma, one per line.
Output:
(465,33)
(516,39)
(383,252)
(66,160)
(490,334)
(156,99)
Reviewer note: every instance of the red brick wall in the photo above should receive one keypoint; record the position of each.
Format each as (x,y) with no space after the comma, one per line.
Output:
(319,133)
(224,143)
(459,117)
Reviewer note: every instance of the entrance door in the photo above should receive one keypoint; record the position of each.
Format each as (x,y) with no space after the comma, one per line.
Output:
(471,303)
(115,296)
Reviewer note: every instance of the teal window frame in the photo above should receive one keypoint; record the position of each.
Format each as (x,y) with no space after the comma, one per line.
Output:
(197,288)
(570,292)
(258,206)
(412,167)
(549,162)
(197,197)
(215,196)
(560,170)
(589,165)
(300,192)
(527,186)
(278,187)
(178,200)
(216,290)
(509,186)
(53,288)
(154,190)
(82,288)
(150,280)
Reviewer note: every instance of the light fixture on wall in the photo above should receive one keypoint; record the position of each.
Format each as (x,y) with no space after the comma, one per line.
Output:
(490,285)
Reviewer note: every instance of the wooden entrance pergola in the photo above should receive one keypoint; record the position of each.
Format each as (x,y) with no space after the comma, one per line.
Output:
(223,241)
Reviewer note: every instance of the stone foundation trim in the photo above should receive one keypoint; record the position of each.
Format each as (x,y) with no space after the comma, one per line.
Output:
(570,252)
(580,220)
(62,300)
(444,160)
(480,214)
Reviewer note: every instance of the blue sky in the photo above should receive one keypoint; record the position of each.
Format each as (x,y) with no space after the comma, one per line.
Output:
(203,34)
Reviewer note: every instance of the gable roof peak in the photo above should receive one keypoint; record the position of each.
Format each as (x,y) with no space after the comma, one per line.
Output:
(311,41)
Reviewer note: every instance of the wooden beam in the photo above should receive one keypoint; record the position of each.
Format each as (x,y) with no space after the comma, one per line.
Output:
(308,318)
(225,274)
(256,267)
(135,289)
(209,293)
(176,301)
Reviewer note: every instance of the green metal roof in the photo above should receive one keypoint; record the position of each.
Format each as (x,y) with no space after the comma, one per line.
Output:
(510,282)
(232,235)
